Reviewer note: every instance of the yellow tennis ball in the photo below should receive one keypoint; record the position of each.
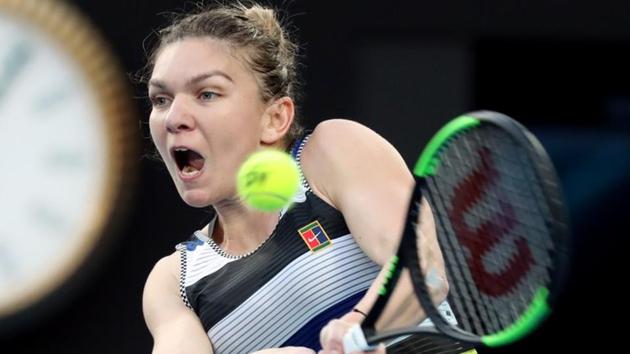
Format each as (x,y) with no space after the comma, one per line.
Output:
(268,180)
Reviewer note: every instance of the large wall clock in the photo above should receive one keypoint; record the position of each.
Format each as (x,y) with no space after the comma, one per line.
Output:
(67,152)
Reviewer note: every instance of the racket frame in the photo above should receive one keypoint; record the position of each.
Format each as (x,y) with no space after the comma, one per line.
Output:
(407,255)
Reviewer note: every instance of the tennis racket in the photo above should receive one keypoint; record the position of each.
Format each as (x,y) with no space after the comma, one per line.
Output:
(501,226)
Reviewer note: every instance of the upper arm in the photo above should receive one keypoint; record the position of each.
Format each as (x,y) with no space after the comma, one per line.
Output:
(363,176)
(174,327)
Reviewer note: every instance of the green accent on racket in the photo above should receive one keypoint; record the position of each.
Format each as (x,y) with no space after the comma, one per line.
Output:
(428,163)
(531,319)
(392,267)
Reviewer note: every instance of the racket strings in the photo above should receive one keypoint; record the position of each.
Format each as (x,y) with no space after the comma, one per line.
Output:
(493,279)
(428,344)
(472,315)
(467,309)
(492,209)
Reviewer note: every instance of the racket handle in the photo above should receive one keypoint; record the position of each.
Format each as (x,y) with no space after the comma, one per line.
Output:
(355,341)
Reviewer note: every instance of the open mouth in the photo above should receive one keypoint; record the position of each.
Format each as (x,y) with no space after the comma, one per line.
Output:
(188,161)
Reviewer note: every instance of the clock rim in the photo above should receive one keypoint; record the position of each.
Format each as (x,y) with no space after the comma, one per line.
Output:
(71,31)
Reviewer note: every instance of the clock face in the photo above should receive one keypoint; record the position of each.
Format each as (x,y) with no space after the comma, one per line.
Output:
(57,162)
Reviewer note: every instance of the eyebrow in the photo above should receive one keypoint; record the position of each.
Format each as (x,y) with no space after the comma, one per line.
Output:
(192,81)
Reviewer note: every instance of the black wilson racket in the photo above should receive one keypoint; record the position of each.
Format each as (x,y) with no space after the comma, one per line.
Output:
(501,225)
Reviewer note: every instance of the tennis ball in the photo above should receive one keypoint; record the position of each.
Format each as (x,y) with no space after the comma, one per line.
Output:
(268,180)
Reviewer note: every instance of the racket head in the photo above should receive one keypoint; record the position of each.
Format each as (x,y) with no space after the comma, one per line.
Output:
(501,225)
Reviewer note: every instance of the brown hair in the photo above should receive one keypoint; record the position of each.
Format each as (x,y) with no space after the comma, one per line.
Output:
(270,52)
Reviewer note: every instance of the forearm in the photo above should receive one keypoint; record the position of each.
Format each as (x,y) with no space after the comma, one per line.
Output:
(403,308)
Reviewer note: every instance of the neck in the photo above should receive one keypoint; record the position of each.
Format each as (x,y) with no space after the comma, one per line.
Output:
(239,229)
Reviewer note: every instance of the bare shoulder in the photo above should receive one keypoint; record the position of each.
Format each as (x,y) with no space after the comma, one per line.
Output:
(161,287)
(334,133)
(343,141)
(341,152)
(362,175)
(165,270)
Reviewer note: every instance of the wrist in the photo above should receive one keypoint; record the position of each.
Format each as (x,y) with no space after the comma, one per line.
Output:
(354,316)
(360,312)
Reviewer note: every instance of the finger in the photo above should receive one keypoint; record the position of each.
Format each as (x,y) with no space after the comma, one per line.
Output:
(328,334)
(331,337)
(323,336)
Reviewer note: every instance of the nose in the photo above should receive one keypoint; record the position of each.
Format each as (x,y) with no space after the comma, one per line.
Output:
(179,117)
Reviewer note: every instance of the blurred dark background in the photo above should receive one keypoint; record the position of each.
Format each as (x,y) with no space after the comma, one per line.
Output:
(404,68)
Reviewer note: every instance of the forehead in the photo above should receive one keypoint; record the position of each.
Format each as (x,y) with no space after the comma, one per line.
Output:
(188,57)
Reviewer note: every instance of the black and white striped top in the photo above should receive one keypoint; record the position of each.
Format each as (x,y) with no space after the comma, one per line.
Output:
(283,293)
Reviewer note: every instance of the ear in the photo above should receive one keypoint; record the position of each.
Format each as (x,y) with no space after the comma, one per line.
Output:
(276,121)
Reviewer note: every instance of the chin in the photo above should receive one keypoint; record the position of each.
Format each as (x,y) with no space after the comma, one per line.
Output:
(195,198)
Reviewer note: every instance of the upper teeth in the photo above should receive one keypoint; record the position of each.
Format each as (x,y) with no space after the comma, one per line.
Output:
(181,149)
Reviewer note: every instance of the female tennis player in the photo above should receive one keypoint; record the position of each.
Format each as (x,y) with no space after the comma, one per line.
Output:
(223,83)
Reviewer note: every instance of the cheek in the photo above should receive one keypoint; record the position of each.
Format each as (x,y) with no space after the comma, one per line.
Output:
(158,132)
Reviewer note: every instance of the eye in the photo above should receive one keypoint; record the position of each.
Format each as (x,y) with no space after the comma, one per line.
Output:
(158,101)
(208,95)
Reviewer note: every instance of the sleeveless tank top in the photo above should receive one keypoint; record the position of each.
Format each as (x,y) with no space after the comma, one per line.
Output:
(308,272)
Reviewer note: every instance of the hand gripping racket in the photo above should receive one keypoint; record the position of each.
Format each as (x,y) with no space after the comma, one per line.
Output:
(501,226)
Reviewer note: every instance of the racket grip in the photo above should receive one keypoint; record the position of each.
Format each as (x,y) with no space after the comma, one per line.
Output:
(355,341)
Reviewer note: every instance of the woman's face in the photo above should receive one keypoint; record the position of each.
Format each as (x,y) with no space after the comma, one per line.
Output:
(205,118)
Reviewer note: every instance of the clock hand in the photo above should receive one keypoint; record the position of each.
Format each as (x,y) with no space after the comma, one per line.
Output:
(12,65)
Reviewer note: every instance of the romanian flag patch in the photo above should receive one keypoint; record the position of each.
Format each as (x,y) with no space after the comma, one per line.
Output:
(314,236)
